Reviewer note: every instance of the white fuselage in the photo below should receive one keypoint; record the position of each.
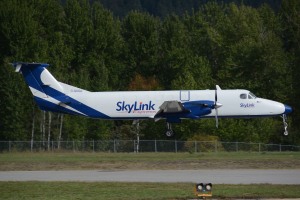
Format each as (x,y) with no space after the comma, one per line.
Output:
(55,96)
(145,104)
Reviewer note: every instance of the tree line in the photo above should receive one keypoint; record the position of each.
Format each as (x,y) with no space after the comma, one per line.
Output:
(162,9)
(233,45)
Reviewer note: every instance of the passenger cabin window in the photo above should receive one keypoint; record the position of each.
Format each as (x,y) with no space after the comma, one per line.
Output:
(243,96)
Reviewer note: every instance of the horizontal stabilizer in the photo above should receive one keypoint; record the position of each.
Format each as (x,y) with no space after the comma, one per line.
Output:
(18,67)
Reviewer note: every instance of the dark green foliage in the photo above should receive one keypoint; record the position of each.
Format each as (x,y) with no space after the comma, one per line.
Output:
(141,35)
(230,44)
(162,8)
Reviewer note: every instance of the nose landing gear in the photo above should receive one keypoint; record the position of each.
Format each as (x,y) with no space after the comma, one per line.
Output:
(285,124)
(169,132)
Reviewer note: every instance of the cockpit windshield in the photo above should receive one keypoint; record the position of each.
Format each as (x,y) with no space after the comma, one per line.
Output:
(251,96)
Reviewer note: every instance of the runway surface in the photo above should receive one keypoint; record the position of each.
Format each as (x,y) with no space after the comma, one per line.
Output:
(216,176)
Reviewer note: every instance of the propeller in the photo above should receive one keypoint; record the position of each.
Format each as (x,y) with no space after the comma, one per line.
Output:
(216,99)
(217,105)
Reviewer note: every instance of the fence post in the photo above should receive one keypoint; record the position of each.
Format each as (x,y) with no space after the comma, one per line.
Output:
(279,147)
(259,147)
(93,146)
(216,146)
(9,146)
(73,146)
(114,146)
(31,145)
(195,143)
(175,146)
(236,146)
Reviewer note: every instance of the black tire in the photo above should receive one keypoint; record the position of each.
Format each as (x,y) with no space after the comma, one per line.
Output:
(170,133)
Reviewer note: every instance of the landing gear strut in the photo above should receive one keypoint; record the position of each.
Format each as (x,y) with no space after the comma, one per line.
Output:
(170,132)
(285,124)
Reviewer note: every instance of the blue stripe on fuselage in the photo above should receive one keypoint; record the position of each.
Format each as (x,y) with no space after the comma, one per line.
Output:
(73,103)
(49,106)
(241,116)
(32,74)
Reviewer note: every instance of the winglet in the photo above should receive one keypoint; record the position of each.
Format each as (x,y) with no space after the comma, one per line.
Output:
(218,87)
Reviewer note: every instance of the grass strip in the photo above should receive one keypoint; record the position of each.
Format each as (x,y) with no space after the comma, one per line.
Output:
(148,161)
(113,191)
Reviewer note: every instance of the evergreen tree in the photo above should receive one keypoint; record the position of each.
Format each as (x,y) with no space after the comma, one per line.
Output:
(290,17)
(140,33)
(21,40)
(231,44)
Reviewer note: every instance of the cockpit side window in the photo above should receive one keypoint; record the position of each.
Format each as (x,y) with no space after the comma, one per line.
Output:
(243,96)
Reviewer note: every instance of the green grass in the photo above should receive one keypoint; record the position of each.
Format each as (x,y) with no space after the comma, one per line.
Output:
(112,191)
(132,161)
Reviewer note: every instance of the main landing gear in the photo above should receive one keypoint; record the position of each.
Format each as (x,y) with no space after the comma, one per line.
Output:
(169,132)
(285,124)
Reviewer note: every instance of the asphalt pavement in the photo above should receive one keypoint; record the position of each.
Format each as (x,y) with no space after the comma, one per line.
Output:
(215,176)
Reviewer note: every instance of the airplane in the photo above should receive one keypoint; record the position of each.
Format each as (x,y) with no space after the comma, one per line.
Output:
(173,105)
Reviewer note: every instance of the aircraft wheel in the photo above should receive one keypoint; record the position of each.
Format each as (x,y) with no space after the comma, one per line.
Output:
(170,133)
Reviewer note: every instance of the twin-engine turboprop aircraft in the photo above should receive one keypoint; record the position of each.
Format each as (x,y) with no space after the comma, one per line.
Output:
(173,106)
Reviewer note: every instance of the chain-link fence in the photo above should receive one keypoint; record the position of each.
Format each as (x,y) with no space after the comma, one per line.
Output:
(142,146)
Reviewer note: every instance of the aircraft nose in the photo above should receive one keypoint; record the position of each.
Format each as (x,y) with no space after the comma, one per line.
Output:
(288,109)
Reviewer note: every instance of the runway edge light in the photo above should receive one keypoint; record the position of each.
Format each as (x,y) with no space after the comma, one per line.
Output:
(203,190)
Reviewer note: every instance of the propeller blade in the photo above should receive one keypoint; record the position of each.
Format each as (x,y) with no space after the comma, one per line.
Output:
(216,99)
(217,120)
(216,96)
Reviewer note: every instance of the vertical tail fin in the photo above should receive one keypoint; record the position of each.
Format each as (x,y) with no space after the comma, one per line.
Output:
(51,95)
(47,91)
(40,81)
